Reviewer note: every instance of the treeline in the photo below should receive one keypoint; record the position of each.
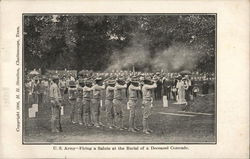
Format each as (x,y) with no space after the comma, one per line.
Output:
(89,41)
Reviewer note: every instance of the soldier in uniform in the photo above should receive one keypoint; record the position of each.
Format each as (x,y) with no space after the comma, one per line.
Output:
(62,86)
(79,101)
(109,103)
(133,88)
(87,93)
(55,99)
(118,104)
(97,87)
(146,102)
(72,100)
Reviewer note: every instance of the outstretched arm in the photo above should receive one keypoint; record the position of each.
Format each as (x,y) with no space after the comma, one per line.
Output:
(135,88)
(87,89)
(150,86)
(110,88)
(97,87)
(118,86)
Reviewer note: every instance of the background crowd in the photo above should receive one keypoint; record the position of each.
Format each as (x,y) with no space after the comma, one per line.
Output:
(37,85)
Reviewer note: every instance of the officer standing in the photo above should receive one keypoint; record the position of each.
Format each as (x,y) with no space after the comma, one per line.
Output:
(146,102)
(118,104)
(133,88)
(79,101)
(72,100)
(87,93)
(62,86)
(97,87)
(55,99)
(109,103)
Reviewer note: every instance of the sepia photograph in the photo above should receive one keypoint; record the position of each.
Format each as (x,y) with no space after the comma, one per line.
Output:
(119,78)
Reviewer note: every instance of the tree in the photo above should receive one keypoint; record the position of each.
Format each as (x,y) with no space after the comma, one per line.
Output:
(90,41)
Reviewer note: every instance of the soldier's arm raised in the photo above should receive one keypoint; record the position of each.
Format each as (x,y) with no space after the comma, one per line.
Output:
(135,88)
(150,86)
(110,88)
(87,89)
(118,86)
(96,87)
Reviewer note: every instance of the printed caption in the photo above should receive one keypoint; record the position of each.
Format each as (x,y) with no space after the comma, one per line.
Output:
(18,80)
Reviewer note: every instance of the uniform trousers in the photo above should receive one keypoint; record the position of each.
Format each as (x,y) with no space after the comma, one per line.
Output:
(55,120)
(109,112)
(95,110)
(146,112)
(132,107)
(87,111)
(118,111)
(73,113)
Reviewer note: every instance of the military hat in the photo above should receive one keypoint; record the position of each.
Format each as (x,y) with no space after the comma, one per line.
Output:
(87,80)
(81,81)
(147,78)
(120,78)
(141,78)
(36,78)
(98,78)
(134,79)
(158,73)
(155,77)
(72,83)
(111,81)
(179,77)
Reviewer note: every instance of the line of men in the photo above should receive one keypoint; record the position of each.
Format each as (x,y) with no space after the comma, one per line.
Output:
(84,96)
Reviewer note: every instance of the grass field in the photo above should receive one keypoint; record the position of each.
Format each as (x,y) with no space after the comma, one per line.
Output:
(170,125)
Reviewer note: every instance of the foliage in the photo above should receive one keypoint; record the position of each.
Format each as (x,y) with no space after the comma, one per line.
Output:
(88,41)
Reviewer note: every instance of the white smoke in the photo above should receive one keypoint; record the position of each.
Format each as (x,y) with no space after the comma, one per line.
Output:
(177,57)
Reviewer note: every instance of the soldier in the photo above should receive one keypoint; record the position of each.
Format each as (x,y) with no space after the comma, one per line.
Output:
(109,103)
(79,101)
(87,93)
(118,104)
(72,100)
(97,87)
(133,96)
(62,86)
(146,102)
(55,99)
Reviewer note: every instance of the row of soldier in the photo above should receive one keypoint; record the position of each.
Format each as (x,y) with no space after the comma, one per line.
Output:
(84,97)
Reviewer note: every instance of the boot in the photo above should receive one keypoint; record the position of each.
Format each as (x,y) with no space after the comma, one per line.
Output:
(122,124)
(149,130)
(80,119)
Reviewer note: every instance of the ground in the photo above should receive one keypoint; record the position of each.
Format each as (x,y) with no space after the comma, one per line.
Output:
(170,125)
